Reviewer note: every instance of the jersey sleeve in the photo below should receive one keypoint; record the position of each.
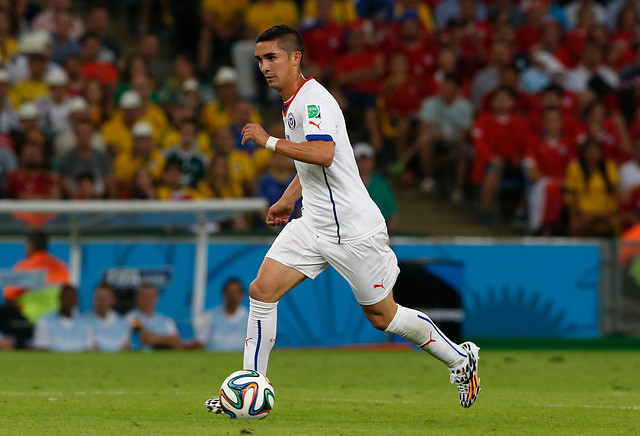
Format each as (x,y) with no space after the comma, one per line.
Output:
(320,119)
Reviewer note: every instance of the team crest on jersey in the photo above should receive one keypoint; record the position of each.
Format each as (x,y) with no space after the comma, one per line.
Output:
(291,120)
(313,110)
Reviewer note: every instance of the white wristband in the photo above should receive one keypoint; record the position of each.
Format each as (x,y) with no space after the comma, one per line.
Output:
(271,143)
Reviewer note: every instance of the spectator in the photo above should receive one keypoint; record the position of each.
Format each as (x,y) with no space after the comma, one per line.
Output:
(546,165)
(272,185)
(411,39)
(171,187)
(144,153)
(73,68)
(8,163)
(183,69)
(377,186)
(109,330)
(33,87)
(149,49)
(260,16)
(98,22)
(629,188)
(8,45)
(63,44)
(499,139)
(83,159)
(190,89)
(572,9)
(488,78)
(222,25)
(358,75)
(445,123)
(64,329)
(151,112)
(610,132)
(56,107)
(186,154)
(591,184)
(99,108)
(322,37)
(93,67)
(448,9)
(46,19)
(591,72)
(417,8)
(8,117)
(613,11)
(342,12)
(240,171)
(117,131)
(218,183)
(183,111)
(31,180)
(142,186)
(85,187)
(156,331)
(531,32)
(66,141)
(218,113)
(36,46)
(224,328)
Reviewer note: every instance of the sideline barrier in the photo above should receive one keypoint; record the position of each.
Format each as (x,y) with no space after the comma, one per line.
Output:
(521,288)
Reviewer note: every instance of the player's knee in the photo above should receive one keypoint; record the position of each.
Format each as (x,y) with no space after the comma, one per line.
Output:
(259,291)
(379,321)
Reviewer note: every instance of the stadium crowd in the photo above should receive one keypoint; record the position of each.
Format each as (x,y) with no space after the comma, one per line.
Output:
(531,100)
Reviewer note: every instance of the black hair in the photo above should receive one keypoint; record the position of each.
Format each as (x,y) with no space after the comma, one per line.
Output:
(85,176)
(229,282)
(89,35)
(171,164)
(554,89)
(39,240)
(288,38)
(504,89)
(452,77)
(591,141)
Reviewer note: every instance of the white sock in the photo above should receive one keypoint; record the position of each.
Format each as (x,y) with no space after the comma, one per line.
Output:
(418,328)
(261,335)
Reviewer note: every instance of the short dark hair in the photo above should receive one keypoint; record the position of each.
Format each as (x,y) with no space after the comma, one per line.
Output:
(39,240)
(454,78)
(230,282)
(288,38)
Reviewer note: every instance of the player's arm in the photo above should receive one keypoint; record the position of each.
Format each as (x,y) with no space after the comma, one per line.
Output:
(313,152)
(282,209)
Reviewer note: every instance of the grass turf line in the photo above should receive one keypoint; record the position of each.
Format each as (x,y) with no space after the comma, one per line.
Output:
(322,392)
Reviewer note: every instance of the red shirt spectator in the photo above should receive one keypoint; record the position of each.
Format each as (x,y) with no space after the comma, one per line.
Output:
(92,67)
(360,69)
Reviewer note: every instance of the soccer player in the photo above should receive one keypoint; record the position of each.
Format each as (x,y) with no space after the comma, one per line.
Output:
(340,225)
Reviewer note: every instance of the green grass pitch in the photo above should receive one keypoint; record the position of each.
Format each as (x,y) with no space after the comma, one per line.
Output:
(322,392)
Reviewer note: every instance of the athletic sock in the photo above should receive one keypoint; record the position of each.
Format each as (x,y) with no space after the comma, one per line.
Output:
(261,335)
(418,328)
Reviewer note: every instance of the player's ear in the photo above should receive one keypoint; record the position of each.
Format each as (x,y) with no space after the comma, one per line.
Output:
(296,57)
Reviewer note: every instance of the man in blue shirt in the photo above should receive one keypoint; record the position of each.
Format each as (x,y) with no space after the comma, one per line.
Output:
(224,327)
(110,331)
(156,331)
(64,329)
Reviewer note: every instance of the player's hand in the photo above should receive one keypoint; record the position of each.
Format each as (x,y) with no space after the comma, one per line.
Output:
(279,214)
(255,132)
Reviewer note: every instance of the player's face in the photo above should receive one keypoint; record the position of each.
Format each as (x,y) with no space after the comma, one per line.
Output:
(276,66)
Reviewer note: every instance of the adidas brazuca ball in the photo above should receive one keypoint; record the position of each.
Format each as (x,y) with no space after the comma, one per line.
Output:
(247,395)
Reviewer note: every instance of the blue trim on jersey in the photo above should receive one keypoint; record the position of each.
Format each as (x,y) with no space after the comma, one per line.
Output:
(255,360)
(324,137)
(335,213)
(441,335)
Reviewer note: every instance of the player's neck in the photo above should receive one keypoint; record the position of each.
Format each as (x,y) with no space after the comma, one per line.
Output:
(290,89)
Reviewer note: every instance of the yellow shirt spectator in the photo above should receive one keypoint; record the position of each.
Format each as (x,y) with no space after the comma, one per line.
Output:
(27,90)
(342,11)
(126,165)
(116,133)
(265,14)
(592,196)
(228,190)
(172,137)
(215,117)
(241,168)
(158,120)
(225,11)
(166,193)
(8,49)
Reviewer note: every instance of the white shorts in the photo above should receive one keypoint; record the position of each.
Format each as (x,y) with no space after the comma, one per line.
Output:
(369,265)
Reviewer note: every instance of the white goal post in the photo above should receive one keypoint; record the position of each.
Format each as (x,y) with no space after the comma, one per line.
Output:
(81,215)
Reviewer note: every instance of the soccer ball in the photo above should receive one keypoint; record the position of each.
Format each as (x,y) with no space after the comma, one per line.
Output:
(247,395)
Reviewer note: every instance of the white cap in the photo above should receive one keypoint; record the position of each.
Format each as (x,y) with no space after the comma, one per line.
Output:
(78,104)
(142,129)
(4,76)
(57,78)
(28,111)
(190,85)
(33,43)
(362,149)
(225,76)
(130,100)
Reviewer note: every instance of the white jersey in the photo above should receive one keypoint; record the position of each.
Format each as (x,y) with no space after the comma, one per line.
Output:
(335,202)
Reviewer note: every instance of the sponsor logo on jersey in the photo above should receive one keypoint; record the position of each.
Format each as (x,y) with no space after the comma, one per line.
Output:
(313,110)
(291,120)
